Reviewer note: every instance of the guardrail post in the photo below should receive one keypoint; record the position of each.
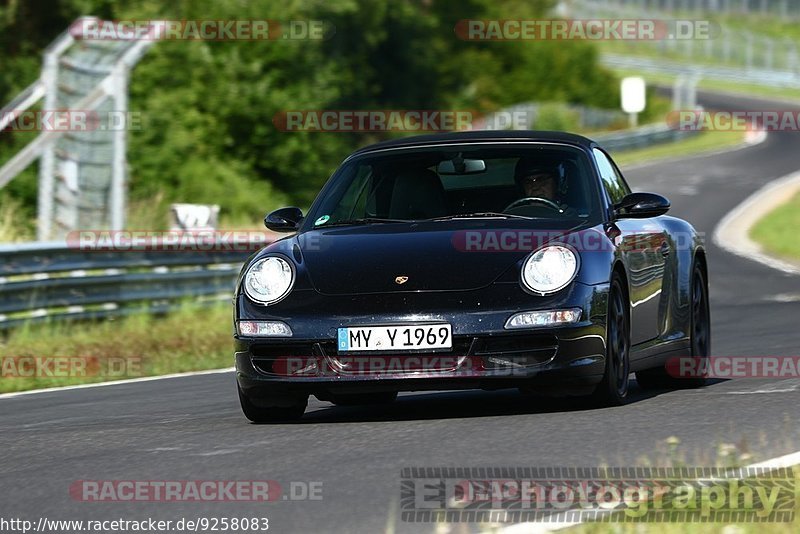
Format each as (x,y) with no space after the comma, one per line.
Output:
(791,55)
(116,217)
(47,163)
(677,92)
(748,51)
(768,53)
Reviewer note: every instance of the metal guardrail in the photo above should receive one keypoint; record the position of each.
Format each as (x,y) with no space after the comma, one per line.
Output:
(752,76)
(645,136)
(730,54)
(48,281)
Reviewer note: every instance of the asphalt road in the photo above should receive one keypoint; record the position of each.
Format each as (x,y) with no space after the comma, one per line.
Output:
(191,428)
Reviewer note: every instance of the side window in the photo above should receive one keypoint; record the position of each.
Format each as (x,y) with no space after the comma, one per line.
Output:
(613,182)
(354,201)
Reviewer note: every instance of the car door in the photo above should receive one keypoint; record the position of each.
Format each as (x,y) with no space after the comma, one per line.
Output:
(644,247)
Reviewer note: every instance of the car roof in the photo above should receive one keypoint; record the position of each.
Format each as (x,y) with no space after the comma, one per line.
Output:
(479,136)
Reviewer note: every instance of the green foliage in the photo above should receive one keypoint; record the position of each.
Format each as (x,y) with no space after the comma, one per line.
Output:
(557,117)
(207,107)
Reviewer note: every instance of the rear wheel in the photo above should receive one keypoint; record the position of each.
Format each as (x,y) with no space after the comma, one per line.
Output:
(613,389)
(290,410)
(357,399)
(700,341)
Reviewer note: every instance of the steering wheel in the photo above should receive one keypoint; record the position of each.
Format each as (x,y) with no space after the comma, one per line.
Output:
(533,200)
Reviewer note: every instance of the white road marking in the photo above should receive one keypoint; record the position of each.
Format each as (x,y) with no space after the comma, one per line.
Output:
(782,386)
(733,231)
(115,382)
(760,391)
(783,297)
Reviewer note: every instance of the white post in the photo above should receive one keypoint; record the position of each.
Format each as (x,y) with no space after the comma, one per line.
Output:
(677,92)
(116,216)
(47,161)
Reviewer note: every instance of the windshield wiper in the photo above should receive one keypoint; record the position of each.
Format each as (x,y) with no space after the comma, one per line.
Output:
(480,215)
(362,220)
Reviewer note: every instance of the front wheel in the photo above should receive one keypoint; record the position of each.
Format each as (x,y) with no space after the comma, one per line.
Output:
(291,410)
(613,389)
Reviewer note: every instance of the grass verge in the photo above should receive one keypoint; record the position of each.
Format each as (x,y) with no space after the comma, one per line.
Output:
(777,231)
(691,146)
(192,338)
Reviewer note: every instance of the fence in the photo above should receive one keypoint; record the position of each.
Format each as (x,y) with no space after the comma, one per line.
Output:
(761,59)
(47,281)
(777,8)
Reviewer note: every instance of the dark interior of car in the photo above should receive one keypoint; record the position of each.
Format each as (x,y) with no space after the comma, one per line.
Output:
(420,193)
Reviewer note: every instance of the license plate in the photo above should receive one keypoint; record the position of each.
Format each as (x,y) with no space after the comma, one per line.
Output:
(395,338)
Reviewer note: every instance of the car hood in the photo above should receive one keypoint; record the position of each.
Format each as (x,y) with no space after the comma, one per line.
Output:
(433,256)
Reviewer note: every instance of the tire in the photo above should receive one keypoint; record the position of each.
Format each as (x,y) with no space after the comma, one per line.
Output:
(613,388)
(357,399)
(700,342)
(272,414)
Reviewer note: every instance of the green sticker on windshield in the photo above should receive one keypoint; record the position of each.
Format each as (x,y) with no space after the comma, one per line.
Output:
(322,220)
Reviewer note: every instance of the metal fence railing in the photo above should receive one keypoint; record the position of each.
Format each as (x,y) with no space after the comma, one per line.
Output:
(775,8)
(645,136)
(48,281)
(729,53)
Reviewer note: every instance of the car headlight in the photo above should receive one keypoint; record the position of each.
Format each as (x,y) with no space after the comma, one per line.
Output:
(268,280)
(549,269)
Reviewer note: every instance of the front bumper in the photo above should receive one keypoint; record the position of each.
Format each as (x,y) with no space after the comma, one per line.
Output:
(485,355)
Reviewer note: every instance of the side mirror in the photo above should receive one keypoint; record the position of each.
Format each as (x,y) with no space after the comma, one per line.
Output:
(641,206)
(284,220)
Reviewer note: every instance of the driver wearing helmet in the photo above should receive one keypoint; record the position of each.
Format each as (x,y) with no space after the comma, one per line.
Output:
(537,178)
(540,182)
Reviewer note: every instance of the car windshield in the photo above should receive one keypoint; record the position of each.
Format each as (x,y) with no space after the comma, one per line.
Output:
(549,183)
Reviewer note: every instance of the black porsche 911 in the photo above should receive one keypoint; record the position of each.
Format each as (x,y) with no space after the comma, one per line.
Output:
(470,260)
